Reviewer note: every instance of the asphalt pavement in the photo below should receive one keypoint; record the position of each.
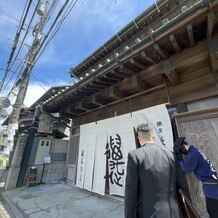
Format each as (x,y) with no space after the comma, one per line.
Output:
(58,200)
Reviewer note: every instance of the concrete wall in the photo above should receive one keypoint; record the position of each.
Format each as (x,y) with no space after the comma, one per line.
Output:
(56,170)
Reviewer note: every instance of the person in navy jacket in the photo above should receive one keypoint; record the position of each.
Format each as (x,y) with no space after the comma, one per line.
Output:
(197,162)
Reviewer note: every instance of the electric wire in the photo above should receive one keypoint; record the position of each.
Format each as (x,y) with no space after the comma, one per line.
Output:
(9,16)
(27,31)
(17,35)
(12,40)
(9,22)
(64,12)
(39,83)
(50,30)
(53,32)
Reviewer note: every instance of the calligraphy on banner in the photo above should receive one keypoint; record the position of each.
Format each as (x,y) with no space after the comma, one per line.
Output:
(114,159)
(160,129)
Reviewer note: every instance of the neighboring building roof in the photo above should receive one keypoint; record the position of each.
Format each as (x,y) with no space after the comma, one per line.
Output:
(48,94)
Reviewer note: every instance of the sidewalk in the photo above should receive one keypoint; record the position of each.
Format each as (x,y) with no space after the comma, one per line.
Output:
(60,200)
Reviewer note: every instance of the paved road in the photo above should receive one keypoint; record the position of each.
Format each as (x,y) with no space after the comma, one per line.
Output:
(5,210)
(61,201)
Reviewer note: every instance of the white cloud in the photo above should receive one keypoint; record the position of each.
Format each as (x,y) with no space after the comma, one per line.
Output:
(34,92)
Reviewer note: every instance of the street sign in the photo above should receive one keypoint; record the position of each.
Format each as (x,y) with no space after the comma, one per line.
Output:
(5,102)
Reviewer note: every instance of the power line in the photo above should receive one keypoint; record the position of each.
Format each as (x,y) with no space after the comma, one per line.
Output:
(23,18)
(39,82)
(9,16)
(12,40)
(70,8)
(9,22)
(28,69)
(22,42)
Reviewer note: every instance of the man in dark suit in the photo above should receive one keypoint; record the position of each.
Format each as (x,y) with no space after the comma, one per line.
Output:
(151,180)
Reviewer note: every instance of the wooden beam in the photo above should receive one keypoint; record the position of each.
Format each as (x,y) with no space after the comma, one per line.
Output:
(105,81)
(96,100)
(126,70)
(118,74)
(137,63)
(89,88)
(171,74)
(138,83)
(70,110)
(83,91)
(160,51)
(210,24)
(112,77)
(190,35)
(175,44)
(81,106)
(213,51)
(145,56)
(80,94)
(115,93)
(95,84)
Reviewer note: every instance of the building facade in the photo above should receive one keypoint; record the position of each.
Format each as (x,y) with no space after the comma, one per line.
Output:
(166,57)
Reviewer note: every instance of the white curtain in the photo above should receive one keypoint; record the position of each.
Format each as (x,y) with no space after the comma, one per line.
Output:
(158,118)
(120,141)
(86,156)
(100,159)
(105,145)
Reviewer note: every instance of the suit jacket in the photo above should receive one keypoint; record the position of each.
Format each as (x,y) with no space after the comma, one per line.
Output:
(151,184)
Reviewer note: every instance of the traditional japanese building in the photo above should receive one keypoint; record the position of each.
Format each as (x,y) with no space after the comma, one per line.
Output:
(161,69)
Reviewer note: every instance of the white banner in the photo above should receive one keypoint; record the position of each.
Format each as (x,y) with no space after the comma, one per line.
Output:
(86,156)
(104,148)
(120,141)
(158,118)
(100,159)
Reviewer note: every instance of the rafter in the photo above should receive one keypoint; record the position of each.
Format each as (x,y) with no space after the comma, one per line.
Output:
(175,43)
(160,51)
(105,81)
(96,100)
(170,72)
(70,110)
(137,63)
(94,89)
(213,51)
(190,35)
(115,93)
(136,82)
(125,70)
(81,106)
(118,74)
(210,24)
(145,56)
(112,77)
(96,84)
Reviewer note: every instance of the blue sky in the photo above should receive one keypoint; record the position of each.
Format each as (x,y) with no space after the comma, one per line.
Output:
(88,28)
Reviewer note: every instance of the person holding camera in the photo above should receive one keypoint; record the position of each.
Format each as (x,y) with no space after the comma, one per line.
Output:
(197,162)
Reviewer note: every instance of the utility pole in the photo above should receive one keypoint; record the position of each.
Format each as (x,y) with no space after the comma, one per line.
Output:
(14,168)
(28,69)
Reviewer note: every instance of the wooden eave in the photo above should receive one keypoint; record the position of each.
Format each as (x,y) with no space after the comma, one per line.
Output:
(164,61)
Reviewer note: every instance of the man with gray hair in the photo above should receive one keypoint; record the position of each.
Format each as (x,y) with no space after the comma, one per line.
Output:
(151,180)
